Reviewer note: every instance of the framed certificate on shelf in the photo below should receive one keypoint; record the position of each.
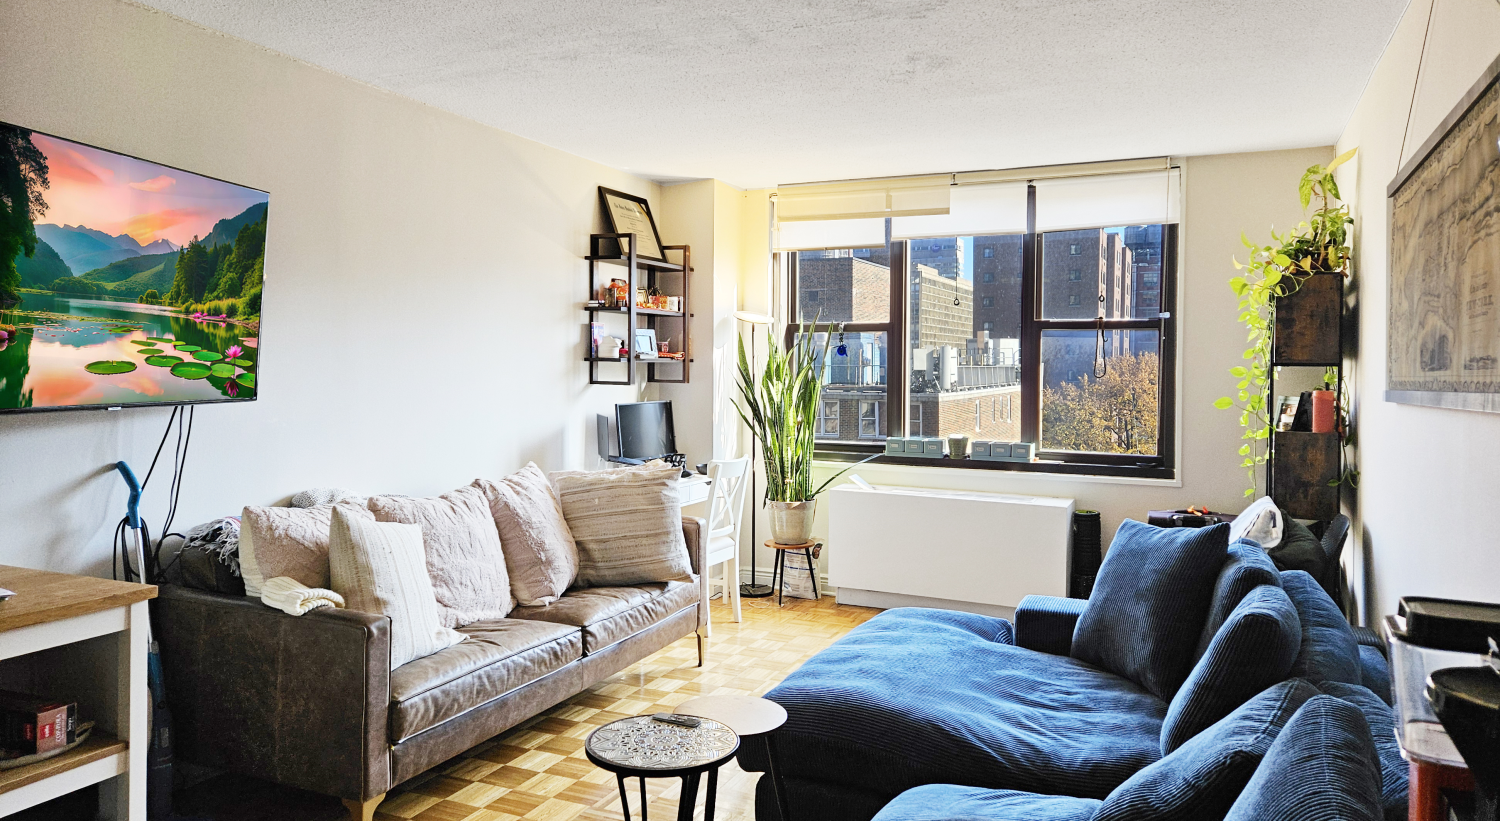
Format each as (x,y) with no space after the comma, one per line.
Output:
(629,214)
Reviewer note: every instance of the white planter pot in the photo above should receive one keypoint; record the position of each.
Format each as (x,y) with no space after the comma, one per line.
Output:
(792,522)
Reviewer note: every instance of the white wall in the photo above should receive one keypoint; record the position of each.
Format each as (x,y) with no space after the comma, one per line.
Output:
(424,279)
(1426,515)
(1225,195)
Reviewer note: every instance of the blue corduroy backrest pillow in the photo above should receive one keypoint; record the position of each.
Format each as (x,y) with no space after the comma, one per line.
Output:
(1254,648)
(1330,652)
(1321,767)
(1202,778)
(1394,771)
(1149,602)
(1247,568)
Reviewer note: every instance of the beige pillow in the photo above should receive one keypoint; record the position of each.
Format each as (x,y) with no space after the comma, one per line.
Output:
(464,559)
(379,567)
(540,555)
(287,541)
(627,525)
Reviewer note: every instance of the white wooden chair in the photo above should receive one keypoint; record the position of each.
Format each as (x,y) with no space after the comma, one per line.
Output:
(726,503)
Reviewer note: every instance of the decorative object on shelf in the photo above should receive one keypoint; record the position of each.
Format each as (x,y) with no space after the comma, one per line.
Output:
(1286,411)
(1004,451)
(1444,346)
(781,408)
(645,342)
(1322,411)
(958,446)
(1291,300)
(80,735)
(629,214)
(1302,421)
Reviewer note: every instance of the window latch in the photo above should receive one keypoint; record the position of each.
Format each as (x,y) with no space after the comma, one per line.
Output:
(1164,315)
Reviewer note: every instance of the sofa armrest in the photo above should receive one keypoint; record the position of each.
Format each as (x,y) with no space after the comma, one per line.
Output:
(300,700)
(1045,623)
(695,532)
(1366,637)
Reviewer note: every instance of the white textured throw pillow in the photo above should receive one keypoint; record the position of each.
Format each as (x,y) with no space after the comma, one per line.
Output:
(464,558)
(286,541)
(379,567)
(627,525)
(1260,523)
(540,555)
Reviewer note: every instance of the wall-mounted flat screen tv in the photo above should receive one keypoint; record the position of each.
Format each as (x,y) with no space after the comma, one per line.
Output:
(124,282)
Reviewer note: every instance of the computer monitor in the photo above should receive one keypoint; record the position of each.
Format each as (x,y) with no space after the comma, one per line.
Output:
(645,430)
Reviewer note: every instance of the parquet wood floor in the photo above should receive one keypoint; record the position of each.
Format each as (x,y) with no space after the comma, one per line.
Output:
(537,771)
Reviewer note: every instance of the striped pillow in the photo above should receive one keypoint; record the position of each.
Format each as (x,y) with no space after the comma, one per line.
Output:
(381,567)
(627,525)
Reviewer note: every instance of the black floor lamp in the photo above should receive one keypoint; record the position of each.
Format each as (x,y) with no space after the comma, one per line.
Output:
(753,589)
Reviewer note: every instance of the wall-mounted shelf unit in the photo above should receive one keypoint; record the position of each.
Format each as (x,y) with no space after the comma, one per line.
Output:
(671,326)
(1305,468)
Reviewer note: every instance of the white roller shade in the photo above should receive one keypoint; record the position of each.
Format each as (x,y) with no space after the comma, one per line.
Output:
(1108,200)
(863,199)
(996,208)
(818,235)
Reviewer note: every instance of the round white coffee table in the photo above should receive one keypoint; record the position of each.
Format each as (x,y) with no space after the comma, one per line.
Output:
(747,716)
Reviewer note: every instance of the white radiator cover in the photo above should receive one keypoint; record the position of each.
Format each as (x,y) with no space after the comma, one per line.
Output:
(979,552)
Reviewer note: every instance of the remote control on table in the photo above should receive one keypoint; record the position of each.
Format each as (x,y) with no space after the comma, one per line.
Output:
(680,721)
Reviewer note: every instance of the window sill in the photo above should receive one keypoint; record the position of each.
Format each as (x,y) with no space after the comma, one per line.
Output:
(1045,469)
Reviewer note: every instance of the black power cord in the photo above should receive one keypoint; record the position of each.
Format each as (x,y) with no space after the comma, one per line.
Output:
(153,571)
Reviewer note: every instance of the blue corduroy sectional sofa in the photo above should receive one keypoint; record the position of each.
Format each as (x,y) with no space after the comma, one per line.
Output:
(1187,662)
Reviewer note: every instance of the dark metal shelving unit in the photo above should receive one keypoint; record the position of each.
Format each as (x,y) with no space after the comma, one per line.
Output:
(639,271)
(1303,464)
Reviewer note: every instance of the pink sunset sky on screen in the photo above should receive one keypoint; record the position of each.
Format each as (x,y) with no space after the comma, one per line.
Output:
(117,194)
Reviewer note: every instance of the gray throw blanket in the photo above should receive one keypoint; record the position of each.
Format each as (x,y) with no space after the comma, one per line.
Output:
(219,538)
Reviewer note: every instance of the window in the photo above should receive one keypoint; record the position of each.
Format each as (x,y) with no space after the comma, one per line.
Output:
(1038,356)
(869,419)
(828,418)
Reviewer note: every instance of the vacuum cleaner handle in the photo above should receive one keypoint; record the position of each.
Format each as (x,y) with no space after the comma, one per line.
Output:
(133,510)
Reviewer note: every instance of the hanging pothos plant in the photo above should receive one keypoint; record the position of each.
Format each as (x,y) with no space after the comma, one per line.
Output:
(1318,246)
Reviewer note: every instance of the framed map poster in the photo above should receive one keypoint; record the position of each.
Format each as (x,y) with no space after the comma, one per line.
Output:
(1443,315)
(629,214)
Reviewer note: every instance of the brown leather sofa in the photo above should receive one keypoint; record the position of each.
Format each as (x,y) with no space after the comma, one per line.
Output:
(311,701)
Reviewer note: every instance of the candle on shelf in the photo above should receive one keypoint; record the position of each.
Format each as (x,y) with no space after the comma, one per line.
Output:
(1322,412)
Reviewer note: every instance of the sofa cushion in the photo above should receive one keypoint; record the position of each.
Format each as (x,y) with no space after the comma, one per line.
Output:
(611,614)
(1149,603)
(1201,779)
(1247,568)
(627,524)
(1329,650)
(496,657)
(1322,766)
(464,559)
(1375,672)
(917,697)
(950,802)
(540,555)
(287,541)
(1299,550)
(1253,650)
(1394,771)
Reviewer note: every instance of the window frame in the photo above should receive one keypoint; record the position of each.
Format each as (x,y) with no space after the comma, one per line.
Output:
(1162,465)
(823,416)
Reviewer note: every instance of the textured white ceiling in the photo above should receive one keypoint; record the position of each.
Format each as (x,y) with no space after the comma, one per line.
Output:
(759,93)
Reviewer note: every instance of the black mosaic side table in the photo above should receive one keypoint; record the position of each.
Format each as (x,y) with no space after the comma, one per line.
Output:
(641,747)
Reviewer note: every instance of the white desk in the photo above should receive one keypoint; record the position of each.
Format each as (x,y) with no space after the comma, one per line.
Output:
(692,490)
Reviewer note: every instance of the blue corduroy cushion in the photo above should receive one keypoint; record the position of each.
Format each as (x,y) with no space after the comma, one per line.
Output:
(1375,672)
(1247,568)
(1394,771)
(917,697)
(1329,650)
(1200,779)
(1149,603)
(1321,768)
(1046,623)
(1253,649)
(949,802)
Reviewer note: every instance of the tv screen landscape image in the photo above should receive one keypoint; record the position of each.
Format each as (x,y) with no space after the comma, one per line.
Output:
(123,282)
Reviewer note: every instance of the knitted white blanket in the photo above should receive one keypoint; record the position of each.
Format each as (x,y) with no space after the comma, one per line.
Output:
(291,596)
